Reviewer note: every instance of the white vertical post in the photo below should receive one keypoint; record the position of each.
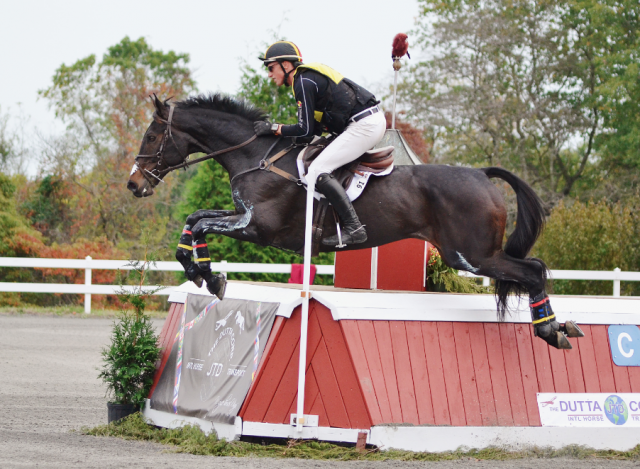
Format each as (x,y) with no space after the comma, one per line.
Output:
(305,293)
(223,273)
(87,282)
(486,281)
(616,282)
(374,269)
(395,87)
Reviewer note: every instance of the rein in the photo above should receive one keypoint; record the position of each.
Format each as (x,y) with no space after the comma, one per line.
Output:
(157,173)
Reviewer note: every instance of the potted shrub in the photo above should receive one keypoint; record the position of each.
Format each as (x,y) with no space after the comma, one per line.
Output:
(129,362)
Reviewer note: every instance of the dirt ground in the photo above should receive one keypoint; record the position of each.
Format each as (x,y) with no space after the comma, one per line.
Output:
(49,389)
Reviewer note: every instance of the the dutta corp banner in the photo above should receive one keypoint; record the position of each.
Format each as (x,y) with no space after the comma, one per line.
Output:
(214,357)
(589,410)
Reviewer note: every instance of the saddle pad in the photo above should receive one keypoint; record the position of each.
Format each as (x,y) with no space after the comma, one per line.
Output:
(358,182)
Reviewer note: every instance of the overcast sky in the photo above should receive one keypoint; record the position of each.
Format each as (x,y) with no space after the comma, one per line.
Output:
(36,37)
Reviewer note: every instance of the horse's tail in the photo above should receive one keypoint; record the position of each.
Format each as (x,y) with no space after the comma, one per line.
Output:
(529,225)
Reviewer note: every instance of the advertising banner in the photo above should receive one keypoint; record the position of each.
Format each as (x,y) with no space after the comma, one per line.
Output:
(214,357)
(589,409)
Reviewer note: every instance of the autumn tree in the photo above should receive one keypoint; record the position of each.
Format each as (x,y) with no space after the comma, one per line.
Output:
(532,86)
(104,104)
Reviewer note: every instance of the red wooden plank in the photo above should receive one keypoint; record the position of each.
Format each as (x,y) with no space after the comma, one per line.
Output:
(543,364)
(634,378)
(498,374)
(311,393)
(372,353)
(353,269)
(419,371)
(401,265)
(287,390)
(451,374)
(274,368)
(483,375)
(574,367)
(467,374)
(276,329)
(166,343)
(436,375)
(404,375)
(559,370)
(588,360)
(359,359)
(318,408)
(383,338)
(603,358)
(528,371)
(343,368)
(329,389)
(620,373)
(514,374)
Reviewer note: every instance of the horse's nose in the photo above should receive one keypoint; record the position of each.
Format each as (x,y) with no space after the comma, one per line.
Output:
(132,186)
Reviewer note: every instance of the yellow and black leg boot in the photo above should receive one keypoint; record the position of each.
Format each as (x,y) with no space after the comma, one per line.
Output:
(353,232)
(544,322)
(216,284)
(184,256)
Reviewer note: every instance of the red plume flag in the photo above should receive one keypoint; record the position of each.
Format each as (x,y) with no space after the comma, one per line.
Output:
(400,46)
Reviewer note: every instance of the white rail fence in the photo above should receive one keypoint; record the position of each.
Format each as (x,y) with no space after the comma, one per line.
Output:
(88,264)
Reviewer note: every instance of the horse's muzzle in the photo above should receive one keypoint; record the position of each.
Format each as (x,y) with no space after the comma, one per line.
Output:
(133,187)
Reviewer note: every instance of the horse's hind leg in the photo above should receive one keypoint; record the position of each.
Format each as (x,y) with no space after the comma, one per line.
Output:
(522,275)
(197,272)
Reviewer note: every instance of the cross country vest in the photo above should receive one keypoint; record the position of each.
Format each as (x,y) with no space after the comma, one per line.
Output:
(342,99)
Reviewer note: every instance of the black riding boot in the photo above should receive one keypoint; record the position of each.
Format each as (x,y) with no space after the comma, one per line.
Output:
(352,230)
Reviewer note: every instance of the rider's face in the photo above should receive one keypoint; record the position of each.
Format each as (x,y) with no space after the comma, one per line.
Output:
(277,74)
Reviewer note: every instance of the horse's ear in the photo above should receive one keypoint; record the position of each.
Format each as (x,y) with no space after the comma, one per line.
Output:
(161,108)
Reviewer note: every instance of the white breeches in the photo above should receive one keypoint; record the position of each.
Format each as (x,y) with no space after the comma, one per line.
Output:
(357,138)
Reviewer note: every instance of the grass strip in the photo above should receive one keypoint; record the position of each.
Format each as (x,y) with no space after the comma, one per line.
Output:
(70,311)
(190,439)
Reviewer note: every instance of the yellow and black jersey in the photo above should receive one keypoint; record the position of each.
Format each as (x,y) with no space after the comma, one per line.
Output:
(326,100)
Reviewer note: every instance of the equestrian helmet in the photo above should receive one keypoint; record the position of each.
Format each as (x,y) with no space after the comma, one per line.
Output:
(282,51)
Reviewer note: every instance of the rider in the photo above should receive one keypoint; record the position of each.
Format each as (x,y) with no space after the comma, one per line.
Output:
(327,101)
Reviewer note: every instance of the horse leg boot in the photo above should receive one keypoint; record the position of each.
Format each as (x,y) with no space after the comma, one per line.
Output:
(353,232)
(544,322)
(184,254)
(216,284)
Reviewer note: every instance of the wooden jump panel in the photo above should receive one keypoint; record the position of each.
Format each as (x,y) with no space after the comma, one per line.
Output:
(362,373)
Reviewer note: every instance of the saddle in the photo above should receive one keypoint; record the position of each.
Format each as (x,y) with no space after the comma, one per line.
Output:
(372,161)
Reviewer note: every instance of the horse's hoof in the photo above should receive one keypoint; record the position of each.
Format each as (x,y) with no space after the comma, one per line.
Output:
(217,285)
(571,329)
(557,340)
(198,281)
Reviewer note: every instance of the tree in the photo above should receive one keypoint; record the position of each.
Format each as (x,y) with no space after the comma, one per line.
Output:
(104,106)
(520,84)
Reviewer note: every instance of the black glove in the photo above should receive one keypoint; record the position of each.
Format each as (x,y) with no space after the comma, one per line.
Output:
(263,128)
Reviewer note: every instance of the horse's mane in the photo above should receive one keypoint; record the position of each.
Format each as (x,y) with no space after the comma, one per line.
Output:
(223,103)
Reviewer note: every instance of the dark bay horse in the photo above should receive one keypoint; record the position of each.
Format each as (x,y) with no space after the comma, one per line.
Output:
(456,209)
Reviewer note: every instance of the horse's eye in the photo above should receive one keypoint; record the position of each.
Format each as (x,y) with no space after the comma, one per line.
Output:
(151,138)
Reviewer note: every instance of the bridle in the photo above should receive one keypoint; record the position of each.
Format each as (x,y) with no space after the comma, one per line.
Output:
(155,176)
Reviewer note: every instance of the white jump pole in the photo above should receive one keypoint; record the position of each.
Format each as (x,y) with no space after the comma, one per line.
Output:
(306,294)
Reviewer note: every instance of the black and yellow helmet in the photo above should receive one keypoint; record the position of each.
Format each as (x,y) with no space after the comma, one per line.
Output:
(281,51)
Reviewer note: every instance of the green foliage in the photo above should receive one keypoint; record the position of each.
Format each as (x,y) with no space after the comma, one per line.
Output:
(129,362)
(548,90)
(591,236)
(442,278)
(278,102)
(190,439)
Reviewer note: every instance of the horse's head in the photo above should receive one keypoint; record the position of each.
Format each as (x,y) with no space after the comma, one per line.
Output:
(162,148)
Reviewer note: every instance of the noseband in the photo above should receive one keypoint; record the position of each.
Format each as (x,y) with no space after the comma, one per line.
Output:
(155,176)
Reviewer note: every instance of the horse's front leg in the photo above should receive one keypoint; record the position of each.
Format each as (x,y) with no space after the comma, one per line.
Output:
(233,226)
(185,245)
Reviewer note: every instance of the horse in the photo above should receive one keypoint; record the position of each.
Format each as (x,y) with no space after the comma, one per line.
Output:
(457,209)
